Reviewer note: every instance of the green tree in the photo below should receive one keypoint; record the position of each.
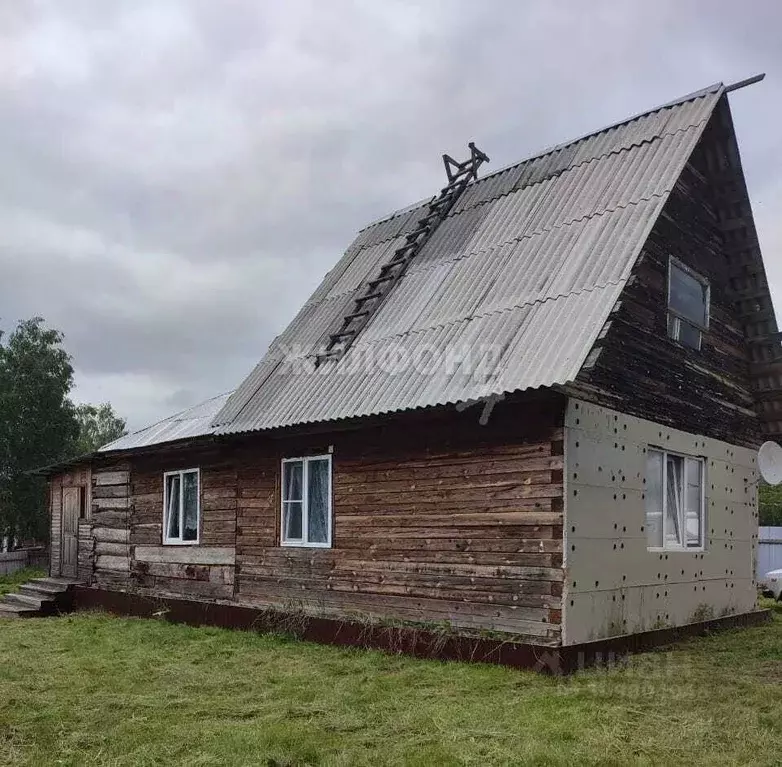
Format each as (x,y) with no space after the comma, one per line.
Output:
(770,505)
(98,425)
(37,422)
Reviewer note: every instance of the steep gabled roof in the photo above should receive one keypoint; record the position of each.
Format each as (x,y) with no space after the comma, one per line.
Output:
(526,267)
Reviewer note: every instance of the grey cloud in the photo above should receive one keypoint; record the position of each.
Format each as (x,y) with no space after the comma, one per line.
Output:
(178,176)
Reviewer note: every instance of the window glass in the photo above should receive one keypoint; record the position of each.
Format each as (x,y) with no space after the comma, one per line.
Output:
(654,498)
(688,296)
(292,524)
(292,480)
(172,509)
(317,501)
(293,500)
(190,506)
(693,502)
(673,500)
(688,335)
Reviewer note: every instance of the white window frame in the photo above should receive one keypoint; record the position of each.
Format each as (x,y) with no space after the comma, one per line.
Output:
(178,541)
(303,543)
(682,522)
(674,318)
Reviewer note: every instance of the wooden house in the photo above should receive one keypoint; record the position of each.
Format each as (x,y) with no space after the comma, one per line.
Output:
(529,405)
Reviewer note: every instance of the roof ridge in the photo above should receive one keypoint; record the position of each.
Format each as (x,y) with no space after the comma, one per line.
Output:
(714,88)
(612,153)
(669,105)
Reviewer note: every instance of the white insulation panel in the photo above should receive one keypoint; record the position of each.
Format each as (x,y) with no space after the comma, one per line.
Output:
(614,583)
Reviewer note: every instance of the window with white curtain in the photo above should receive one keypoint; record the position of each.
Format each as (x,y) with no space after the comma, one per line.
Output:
(181,506)
(306,501)
(675,504)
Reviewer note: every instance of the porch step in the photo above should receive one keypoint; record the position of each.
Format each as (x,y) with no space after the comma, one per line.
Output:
(10,610)
(25,600)
(41,589)
(38,597)
(55,583)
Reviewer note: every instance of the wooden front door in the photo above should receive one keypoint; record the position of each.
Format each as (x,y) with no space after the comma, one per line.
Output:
(71,507)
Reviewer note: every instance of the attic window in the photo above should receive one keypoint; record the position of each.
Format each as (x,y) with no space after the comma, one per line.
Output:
(688,305)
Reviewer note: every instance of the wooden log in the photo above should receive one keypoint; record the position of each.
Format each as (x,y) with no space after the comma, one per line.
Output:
(191,588)
(110,491)
(172,570)
(468,615)
(218,492)
(284,563)
(111,477)
(357,521)
(411,505)
(358,485)
(219,539)
(147,500)
(196,555)
(112,549)
(111,579)
(105,504)
(117,519)
(219,504)
(112,563)
(111,534)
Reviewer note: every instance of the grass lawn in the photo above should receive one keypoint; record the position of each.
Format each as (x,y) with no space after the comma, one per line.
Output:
(9,583)
(94,689)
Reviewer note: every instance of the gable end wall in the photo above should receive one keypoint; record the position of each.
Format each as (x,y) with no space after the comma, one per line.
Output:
(637,369)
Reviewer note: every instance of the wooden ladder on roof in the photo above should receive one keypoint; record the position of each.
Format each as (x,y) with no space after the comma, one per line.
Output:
(372,293)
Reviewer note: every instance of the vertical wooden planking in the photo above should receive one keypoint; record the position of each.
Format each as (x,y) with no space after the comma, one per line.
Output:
(55,506)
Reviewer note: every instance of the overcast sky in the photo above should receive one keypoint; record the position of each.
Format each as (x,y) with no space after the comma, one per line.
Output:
(176,176)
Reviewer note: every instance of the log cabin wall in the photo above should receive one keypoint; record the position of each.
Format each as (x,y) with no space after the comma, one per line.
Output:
(436,519)
(637,369)
(106,562)
(205,570)
(86,552)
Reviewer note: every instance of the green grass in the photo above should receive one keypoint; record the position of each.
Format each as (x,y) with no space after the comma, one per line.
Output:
(9,583)
(93,689)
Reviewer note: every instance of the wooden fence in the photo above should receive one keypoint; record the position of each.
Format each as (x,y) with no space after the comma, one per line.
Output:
(11,561)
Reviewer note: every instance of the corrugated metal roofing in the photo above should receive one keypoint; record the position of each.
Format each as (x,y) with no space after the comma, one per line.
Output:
(522,275)
(193,422)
